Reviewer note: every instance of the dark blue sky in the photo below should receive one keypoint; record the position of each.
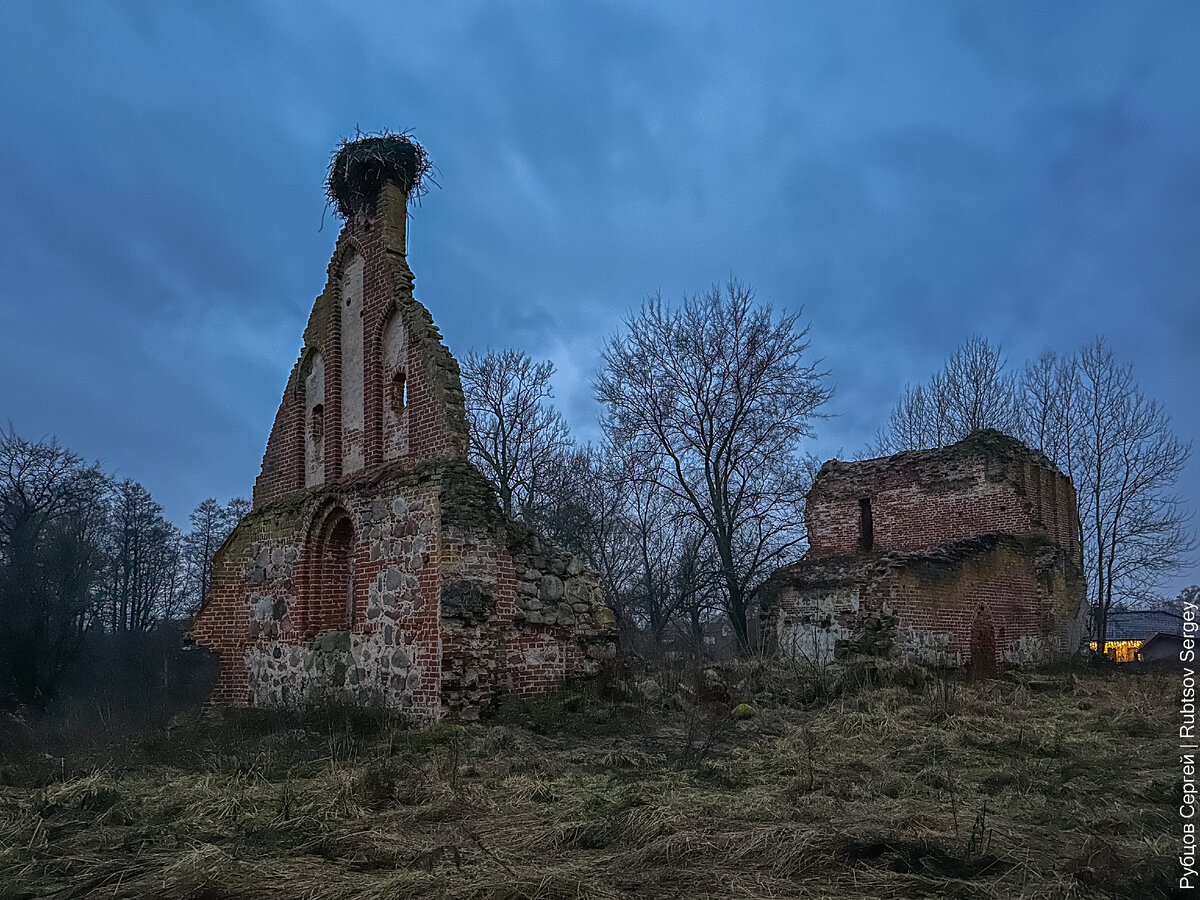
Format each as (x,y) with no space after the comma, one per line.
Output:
(911,173)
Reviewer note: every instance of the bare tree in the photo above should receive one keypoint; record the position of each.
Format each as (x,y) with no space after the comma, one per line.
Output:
(1186,599)
(913,423)
(1125,461)
(51,518)
(514,432)
(981,394)
(665,538)
(694,573)
(715,397)
(1047,391)
(972,391)
(1041,401)
(142,581)
(583,506)
(211,524)
(647,550)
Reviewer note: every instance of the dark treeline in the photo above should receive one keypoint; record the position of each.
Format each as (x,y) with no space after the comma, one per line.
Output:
(95,583)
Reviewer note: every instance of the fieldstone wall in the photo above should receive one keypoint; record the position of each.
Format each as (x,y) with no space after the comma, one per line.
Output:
(925,606)
(305,630)
(370,668)
(519,615)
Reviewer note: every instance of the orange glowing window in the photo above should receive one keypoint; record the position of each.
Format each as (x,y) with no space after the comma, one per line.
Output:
(1121,651)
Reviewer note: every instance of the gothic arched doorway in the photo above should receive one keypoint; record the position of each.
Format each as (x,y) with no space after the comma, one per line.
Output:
(331,578)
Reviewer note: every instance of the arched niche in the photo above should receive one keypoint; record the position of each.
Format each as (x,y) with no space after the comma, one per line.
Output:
(330,594)
(983,655)
(396,385)
(353,408)
(312,375)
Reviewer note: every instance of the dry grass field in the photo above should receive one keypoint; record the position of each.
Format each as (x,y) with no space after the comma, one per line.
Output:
(863,782)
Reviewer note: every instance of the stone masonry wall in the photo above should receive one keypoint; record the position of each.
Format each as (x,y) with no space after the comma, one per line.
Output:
(519,615)
(922,607)
(555,595)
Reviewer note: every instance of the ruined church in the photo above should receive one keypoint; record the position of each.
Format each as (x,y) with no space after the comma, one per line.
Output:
(376,562)
(964,556)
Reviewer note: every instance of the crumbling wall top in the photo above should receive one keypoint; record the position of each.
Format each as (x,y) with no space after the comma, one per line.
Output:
(987,483)
(937,469)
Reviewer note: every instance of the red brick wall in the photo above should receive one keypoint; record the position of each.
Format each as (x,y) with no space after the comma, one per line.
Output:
(1002,584)
(276,585)
(925,498)
(226,625)
(434,416)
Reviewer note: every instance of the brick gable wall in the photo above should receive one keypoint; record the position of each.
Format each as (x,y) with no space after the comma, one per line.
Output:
(376,562)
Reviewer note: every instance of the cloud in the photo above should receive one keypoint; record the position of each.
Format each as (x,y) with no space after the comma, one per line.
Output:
(910,173)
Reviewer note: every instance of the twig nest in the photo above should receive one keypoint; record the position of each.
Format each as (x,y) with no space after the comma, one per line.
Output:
(361,167)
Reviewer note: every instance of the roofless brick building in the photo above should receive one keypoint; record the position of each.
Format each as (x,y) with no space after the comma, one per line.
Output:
(376,560)
(967,555)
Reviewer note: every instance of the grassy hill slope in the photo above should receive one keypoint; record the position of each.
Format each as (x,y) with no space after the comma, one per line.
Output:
(863,782)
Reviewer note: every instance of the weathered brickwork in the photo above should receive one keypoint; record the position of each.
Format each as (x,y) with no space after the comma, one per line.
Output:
(963,556)
(376,562)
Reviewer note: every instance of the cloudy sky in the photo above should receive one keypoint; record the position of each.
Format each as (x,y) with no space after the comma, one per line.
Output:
(909,173)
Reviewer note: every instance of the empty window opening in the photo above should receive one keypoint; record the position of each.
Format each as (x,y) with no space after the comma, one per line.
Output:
(866,528)
(398,392)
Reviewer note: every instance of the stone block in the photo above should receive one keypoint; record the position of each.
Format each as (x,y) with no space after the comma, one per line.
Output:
(550,589)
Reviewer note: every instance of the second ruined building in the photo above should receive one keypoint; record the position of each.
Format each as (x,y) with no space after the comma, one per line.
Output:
(966,556)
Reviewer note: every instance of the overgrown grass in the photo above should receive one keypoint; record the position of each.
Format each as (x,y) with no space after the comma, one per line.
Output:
(877,782)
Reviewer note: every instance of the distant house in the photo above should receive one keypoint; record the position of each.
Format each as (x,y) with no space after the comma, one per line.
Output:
(1142,634)
(1161,648)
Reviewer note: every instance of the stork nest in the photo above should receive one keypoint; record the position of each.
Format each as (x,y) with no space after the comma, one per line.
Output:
(359,169)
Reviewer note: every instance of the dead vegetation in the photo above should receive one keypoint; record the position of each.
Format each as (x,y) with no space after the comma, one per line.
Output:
(854,782)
